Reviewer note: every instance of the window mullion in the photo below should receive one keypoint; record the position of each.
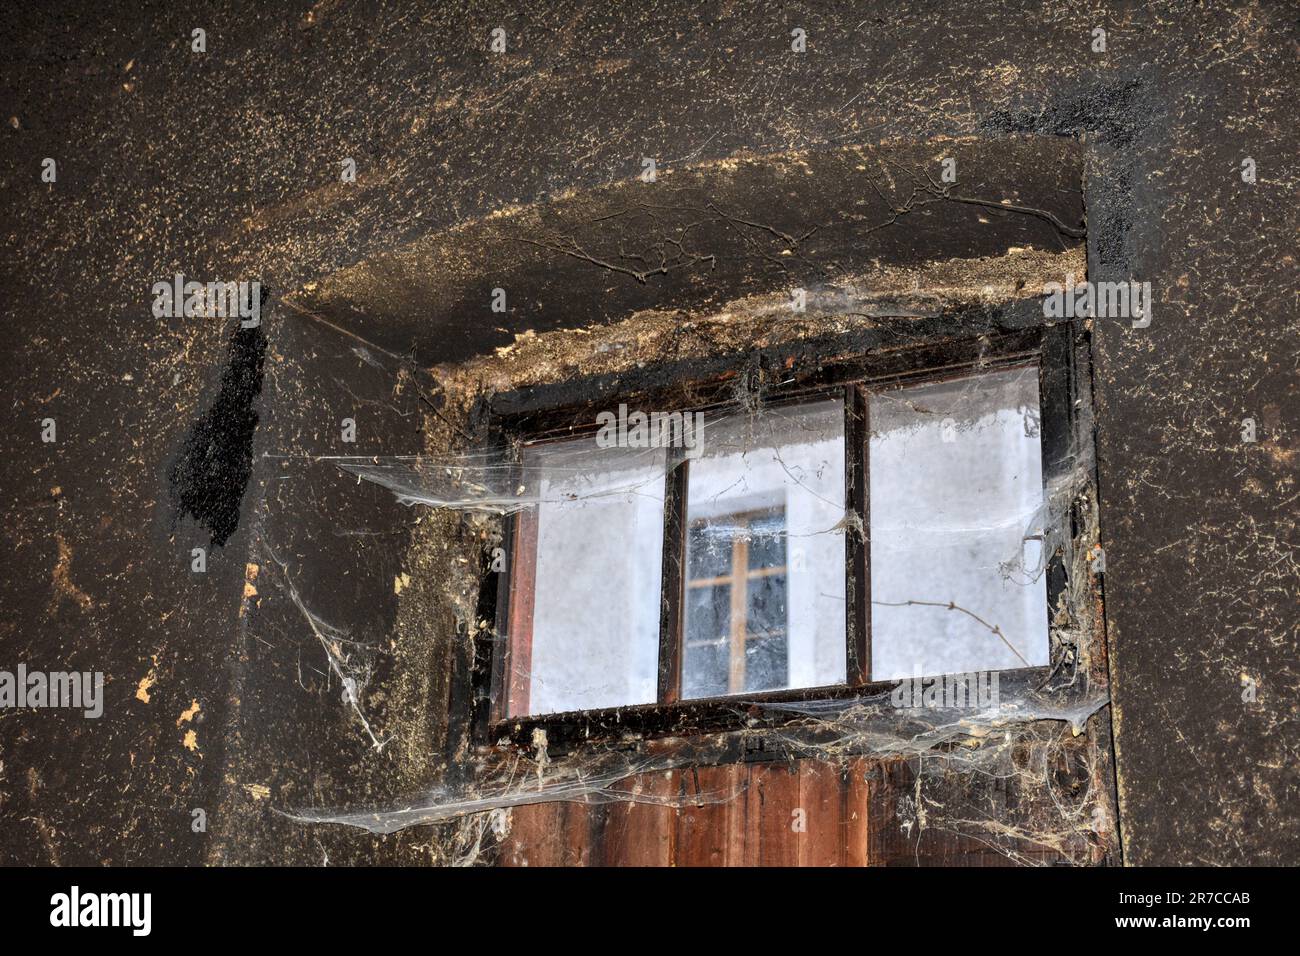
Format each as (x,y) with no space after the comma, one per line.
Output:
(673,576)
(857,441)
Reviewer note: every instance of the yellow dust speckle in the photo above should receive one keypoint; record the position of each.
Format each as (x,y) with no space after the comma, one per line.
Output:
(191,740)
(147,681)
(62,580)
(188,714)
(250,589)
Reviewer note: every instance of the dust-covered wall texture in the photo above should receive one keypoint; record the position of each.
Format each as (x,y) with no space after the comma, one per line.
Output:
(322,659)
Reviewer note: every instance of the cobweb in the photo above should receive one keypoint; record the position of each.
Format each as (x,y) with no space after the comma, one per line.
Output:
(755,450)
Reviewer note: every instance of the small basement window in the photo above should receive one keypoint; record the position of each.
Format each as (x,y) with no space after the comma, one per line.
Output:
(740,564)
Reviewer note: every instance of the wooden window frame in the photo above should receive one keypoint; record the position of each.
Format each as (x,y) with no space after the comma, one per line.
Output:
(853,380)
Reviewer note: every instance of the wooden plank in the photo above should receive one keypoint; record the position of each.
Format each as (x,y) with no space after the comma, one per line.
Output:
(857,802)
(893,843)
(712,833)
(638,834)
(770,802)
(822,797)
(536,836)
(888,843)
(577,845)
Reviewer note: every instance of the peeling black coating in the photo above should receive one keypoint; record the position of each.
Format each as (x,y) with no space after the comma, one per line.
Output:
(208,479)
(1114,114)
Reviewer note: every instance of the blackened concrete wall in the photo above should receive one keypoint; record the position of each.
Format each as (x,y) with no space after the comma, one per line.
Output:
(225,164)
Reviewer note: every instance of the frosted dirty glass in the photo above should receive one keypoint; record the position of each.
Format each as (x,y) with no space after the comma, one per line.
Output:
(764,602)
(595,610)
(956,492)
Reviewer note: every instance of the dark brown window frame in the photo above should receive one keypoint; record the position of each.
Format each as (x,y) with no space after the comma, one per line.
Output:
(853,379)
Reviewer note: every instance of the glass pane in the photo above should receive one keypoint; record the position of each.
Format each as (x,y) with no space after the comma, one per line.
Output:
(596,550)
(765,662)
(767,542)
(709,611)
(708,554)
(956,500)
(765,505)
(766,613)
(706,652)
(706,669)
(766,652)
